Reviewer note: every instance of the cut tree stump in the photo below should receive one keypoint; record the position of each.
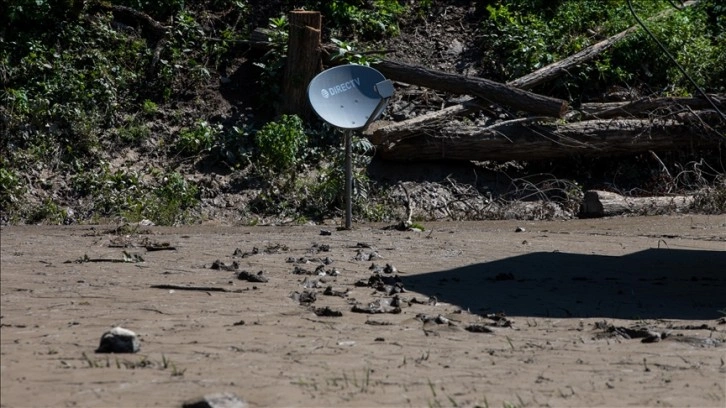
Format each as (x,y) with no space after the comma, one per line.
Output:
(605,204)
(303,62)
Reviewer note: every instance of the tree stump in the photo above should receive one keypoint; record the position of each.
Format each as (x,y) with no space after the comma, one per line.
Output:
(303,62)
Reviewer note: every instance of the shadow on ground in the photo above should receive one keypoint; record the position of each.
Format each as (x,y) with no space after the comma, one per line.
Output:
(652,284)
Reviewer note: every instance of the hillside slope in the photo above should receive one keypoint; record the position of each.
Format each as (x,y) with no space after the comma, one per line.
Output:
(158,116)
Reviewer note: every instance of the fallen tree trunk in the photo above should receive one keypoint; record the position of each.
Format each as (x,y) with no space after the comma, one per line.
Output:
(518,140)
(155,29)
(638,107)
(641,108)
(398,130)
(491,91)
(605,204)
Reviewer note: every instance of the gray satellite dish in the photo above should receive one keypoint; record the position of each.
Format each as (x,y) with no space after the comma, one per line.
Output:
(349,96)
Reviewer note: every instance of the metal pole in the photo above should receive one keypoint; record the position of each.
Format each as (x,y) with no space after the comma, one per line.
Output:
(348,178)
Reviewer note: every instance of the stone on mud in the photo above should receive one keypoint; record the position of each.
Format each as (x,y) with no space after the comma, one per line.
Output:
(218,400)
(119,340)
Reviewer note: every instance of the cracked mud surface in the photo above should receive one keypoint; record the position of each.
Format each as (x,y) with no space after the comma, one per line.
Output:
(463,313)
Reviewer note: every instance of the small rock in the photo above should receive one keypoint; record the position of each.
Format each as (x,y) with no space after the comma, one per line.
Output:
(390,269)
(219,265)
(652,337)
(310,283)
(301,271)
(240,254)
(119,340)
(329,291)
(253,277)
(305,298)
(219,400)
(327,312)
(438,319)
(478,328)
(316,248)
(362,255)
(390,305)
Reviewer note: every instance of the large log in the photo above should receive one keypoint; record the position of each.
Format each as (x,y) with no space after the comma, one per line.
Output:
(492,91)
(606,204)
(519,140)
(394,131)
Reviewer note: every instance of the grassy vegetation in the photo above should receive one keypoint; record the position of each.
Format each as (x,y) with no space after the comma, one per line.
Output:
(143,362)
(525,35)
(85,86)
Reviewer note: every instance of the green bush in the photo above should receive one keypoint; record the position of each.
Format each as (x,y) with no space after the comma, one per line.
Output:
(281,143)
(133,132)
(149,107)
(110,193)
(198,139)
(325,194)
(49,212)
(686,36)
(366,19)
(172,201)
(11,188)
(524,35)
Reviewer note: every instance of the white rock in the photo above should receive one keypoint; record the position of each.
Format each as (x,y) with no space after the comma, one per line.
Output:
(119,340)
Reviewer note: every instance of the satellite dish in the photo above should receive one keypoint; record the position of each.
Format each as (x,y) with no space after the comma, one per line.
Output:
(349,96)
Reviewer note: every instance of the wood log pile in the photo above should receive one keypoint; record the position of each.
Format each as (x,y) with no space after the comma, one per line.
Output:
(445,116)
(514,123)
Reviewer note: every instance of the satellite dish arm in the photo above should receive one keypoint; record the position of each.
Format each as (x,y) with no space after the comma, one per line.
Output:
(385,90)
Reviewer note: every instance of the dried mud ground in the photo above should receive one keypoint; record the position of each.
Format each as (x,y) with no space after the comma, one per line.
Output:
(578,297)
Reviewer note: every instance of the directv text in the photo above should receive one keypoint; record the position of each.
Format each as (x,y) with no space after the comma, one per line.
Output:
(338,89)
